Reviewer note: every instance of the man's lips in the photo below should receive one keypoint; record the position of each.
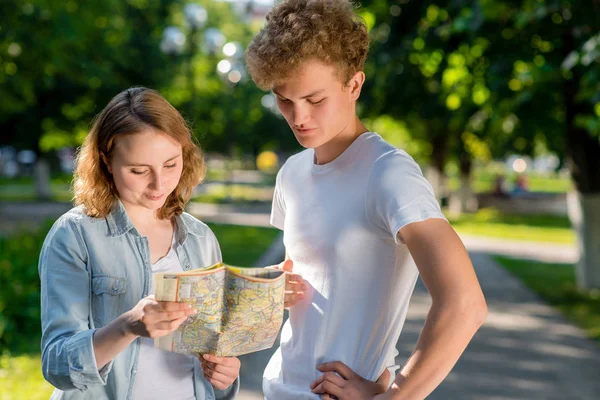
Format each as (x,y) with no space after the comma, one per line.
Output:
(305,130)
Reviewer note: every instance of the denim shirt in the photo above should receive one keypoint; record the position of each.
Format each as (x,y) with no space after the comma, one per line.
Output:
(92,270)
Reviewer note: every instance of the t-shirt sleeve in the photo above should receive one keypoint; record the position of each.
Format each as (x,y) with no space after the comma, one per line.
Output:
(278,208)
(398,194)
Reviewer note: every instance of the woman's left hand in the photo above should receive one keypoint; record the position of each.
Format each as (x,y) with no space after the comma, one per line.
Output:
(221,372)
(340,382)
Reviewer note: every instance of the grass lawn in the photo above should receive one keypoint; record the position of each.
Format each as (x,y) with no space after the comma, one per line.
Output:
(555,283)
(243,245)
(483,180)
(21,375)
(26,192)
(21,378)
(535,228)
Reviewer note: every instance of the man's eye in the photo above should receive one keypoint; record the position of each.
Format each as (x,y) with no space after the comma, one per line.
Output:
(316,102)
(283,100)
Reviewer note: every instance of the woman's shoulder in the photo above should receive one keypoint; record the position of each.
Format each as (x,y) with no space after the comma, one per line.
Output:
(66,230)
(76,216)
(74,222)
(194,225)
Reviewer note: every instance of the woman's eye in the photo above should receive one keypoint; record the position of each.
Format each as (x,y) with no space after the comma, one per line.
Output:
(138,172)
(283,100)
(171,165)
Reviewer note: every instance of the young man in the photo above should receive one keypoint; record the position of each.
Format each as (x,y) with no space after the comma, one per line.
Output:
(360,221)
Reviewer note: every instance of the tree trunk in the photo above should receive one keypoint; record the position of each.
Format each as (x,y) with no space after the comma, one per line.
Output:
(435,173)
(41,177)
(584,163)
(584,213)
(464,200)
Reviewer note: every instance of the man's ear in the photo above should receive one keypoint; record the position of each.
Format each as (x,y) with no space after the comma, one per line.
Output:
(355,84)
(105,161)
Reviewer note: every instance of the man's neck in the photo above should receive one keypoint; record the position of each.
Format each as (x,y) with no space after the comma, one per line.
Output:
(331,150)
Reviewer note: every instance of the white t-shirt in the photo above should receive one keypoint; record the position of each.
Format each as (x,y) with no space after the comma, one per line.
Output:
(162,374)
(340,223)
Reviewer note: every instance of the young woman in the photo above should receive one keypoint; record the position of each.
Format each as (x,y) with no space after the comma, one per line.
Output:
(360,221)
(134,174)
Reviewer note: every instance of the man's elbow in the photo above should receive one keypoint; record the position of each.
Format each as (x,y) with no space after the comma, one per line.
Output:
(475,307)
(470,308)
(480,312)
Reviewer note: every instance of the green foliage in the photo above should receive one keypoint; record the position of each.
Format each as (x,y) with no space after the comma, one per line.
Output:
(73,57)
(397,133)
(20,290)
(555,283)
(62,62)
(485,79)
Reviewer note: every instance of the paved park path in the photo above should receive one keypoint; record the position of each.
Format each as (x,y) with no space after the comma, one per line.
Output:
(525,350)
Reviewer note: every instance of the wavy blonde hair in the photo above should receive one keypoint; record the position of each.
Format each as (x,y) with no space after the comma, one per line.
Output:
(133,111)
(299,30)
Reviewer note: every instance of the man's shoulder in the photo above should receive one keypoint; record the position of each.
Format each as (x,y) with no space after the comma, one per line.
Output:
(385,155)
(299,159)
(297,163)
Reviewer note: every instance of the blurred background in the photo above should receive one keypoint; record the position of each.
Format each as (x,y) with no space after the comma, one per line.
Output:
(498,101)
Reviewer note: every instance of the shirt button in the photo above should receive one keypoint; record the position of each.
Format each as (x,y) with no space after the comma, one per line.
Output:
(134,371)
(96,286)
(115,288)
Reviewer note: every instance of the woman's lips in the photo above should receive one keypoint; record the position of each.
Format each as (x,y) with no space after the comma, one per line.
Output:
(155,197)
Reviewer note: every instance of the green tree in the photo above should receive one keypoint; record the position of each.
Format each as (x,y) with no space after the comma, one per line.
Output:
(428,69)
(564,71)
(62,61)
(485,78)
(65,59)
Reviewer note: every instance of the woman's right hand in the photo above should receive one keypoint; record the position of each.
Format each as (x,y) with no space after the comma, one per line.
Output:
(152,319)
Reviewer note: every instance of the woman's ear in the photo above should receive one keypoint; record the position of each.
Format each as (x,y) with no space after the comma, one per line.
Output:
(105,161)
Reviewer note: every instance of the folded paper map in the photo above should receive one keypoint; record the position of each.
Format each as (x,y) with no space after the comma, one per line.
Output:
(240,310)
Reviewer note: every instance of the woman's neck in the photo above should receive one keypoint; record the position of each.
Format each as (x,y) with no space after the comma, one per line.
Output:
(143,218)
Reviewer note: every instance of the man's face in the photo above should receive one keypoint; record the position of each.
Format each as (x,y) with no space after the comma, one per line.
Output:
(316,104)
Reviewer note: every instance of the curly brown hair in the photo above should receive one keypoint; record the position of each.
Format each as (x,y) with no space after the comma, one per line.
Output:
(298,30)
(133,111)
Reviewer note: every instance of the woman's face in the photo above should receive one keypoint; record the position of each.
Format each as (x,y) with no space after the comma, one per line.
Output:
(146,168)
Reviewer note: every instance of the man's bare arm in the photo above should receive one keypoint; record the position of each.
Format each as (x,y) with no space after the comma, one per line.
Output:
(457,311)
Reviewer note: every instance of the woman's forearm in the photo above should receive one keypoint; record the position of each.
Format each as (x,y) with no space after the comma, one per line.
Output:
(112,339)
(446,333)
